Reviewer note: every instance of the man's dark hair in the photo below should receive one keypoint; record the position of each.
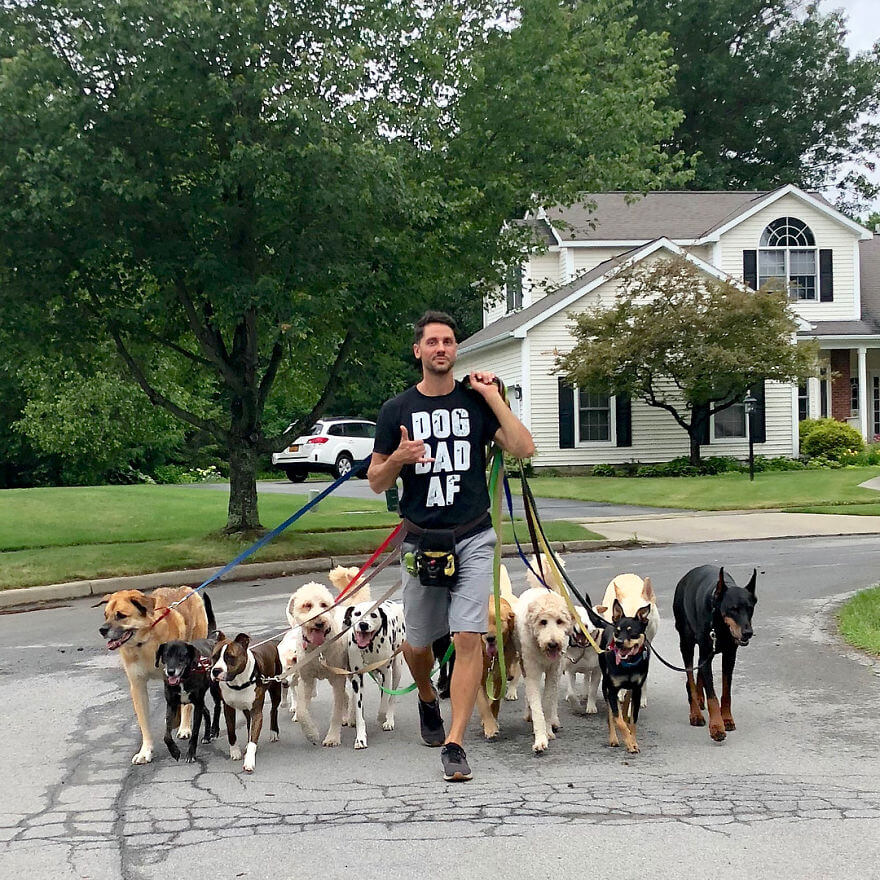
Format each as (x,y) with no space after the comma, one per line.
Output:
(432,317)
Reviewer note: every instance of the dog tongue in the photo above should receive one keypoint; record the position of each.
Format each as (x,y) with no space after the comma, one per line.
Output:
(553,654)
(173,679)
(316,637)
(362,639)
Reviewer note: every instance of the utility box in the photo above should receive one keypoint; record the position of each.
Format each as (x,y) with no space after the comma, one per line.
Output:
(392,499)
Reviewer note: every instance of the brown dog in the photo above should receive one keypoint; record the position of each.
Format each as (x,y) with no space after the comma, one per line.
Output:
(489,708)
(136,624)
(242,673)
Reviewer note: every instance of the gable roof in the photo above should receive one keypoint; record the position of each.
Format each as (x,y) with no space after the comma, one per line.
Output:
(682,215)
(519,323)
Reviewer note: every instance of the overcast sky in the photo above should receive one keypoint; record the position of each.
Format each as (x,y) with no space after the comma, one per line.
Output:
(863,18)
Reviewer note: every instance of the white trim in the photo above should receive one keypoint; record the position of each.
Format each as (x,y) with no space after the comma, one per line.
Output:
(857,283)
(612,424)
(568,272)
(852,340)
(525,383)
(625,242)
(511,334)
(862,353)
(795,420)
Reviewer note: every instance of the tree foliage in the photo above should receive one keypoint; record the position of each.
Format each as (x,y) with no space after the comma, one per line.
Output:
(264,191)
(685,342)
(771,95)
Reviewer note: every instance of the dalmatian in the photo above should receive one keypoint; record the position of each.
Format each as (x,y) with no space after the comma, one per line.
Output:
(375,638)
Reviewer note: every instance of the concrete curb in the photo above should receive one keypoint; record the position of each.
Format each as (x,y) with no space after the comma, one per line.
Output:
(194,576)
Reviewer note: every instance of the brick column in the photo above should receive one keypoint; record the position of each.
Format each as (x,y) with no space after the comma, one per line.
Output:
(841,393)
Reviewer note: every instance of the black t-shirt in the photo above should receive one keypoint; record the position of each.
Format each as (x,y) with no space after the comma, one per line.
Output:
(451,490)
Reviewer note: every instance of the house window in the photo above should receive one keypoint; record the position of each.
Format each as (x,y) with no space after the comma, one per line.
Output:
(730,423)
(787,257)
(803,402)
(594,417)
(514,288)
(854,394)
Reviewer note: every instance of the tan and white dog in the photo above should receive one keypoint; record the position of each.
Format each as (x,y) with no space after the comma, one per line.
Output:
(316,623)
(136,624)
(581,659)
(633,593)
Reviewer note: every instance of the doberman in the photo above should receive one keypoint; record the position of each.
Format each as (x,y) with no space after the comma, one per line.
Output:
(711,611)
(624,662)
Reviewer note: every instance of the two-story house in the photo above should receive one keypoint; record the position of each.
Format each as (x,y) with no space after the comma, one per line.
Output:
(830,264)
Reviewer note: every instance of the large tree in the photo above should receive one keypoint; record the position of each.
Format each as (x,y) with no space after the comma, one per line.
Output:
(686,342)
(260,191)
(771,95)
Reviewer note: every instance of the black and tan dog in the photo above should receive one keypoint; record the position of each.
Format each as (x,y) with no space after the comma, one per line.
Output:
(136,624)
(624,662)
(711,611)
(244,674)
(187,682)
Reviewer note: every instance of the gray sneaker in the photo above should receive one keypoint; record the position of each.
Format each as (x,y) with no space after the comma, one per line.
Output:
(455,765)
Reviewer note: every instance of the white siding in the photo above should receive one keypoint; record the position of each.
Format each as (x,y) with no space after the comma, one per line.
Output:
(828,233)
(588,258)
(544,274)
(504,360)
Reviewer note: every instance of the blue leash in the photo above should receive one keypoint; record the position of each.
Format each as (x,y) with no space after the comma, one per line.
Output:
(356,469)
(519,548)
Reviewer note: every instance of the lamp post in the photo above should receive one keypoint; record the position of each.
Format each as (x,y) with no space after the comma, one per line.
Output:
(749,403)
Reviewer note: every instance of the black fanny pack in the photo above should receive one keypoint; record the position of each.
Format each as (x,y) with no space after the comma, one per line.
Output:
(435,561)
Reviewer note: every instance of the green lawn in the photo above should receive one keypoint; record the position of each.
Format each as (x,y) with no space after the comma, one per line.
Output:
(57,535)
(786,489)
(860,621)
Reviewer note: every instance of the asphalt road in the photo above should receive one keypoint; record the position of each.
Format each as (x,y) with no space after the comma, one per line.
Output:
(548,508)
(793,792)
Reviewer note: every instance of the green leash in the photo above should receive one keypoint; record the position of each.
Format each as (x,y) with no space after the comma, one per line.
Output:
(396,692)
(496,482)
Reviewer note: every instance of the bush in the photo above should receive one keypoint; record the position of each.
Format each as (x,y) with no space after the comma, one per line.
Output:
(720,464)
(807,426)
(604,470)
(179,473)
(832,440)
(777,464)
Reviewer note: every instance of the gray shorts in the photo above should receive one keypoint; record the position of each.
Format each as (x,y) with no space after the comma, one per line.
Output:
(431,612)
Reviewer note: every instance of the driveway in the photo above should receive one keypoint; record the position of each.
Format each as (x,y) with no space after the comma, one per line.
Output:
(793,792)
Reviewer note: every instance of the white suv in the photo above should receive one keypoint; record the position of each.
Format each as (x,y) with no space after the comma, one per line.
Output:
(332,446)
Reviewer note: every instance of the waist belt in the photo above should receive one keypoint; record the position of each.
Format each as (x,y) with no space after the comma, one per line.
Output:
(412,529)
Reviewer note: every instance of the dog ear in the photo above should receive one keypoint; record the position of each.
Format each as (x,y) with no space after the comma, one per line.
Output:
(103,601)
(643,613)
(383,616)
(616,590)
(750,586)
(601,609)
(243,639)
(720,587)
(160,654)
(144,604)
(346,618)
(616,611)
(648,590)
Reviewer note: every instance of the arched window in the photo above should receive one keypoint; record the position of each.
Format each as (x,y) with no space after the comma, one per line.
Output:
(787,257)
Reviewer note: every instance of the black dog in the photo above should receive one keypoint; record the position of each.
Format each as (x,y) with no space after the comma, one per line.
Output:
(624,662)
(440,647)
(187,680)
(713,612)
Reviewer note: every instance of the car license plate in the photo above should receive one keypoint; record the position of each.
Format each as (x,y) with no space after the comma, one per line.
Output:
(294,448)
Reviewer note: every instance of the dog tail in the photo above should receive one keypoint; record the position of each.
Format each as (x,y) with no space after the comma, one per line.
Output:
(209,611)
(506,586)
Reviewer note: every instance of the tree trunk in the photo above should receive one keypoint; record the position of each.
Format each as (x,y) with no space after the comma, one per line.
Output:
(695,434)
(243,513)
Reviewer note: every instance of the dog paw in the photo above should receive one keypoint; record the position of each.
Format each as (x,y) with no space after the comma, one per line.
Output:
(643,703)
(633,749)
(249,765)
(360,743)
(174,752)
(511,695)
(717,733)
(388,724)
(190,758)
(144,756)
(555,725)
(728,724)
(273,736)
(234,753)
(184,733)
(331,742)
(591,709)
(540,745)
(698,721)
(490,733)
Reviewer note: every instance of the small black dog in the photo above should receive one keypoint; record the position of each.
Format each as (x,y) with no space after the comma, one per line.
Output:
(624,663)
(440,647)
(713,612)
(187,680)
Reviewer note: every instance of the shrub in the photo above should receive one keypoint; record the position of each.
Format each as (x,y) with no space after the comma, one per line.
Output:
(776,464)
(832,440)
(807,426)
(604,470)
(720,464)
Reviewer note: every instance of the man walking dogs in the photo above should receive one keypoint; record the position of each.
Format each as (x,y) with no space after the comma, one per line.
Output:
(434,436)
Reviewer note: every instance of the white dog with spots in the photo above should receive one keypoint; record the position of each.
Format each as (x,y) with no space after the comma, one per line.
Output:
(374,643)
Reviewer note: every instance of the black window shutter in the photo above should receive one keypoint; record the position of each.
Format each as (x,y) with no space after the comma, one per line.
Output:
(623,419)
(759,417)
(826,275)
(750,268)
(701,421)
(566,415)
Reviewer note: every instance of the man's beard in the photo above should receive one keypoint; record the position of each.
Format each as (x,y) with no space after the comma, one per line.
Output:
(440,369)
